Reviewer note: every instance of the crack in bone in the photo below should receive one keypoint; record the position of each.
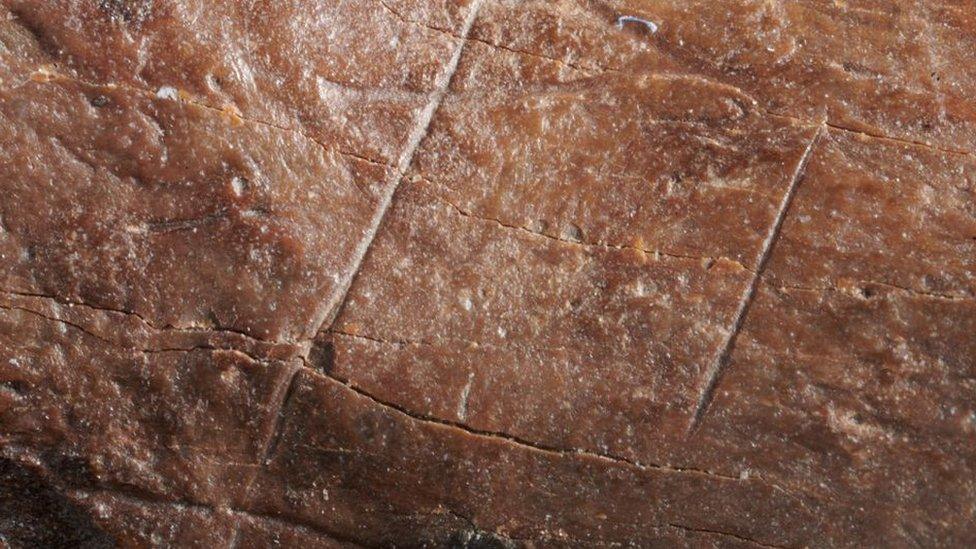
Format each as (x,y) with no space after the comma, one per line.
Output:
(61,302)
(584,244)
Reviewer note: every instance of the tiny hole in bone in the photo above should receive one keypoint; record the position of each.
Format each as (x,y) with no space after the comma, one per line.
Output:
(572,232)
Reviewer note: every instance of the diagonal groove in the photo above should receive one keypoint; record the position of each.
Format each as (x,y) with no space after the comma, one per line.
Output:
(551,450)
(330,309)
(716,371)
(736,537)
(271,442)
(281,405)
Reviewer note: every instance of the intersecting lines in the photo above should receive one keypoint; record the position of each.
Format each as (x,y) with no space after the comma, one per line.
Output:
(330,310)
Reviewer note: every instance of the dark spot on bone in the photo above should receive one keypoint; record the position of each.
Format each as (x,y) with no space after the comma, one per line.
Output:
(322,356)
(35,27)
(36,514)
(127,11)
(476,540)
(15,386)
(572,232)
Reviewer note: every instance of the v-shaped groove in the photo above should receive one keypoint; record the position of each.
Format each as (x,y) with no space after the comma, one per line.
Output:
(330,309)
(717,369)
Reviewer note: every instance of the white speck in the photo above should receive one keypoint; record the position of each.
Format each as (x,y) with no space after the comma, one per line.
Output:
(466,303)
(238,185)
(502,332)
(168,92)
(651,25)
(639,290)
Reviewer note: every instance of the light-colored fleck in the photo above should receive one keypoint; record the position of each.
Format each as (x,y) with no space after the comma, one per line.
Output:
(168,92)
(624,19)
(237,184)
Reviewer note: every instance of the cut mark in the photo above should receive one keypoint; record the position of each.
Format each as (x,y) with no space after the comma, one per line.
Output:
(624,19)
(717,369)
(282,400)
(328,313)
(462,411)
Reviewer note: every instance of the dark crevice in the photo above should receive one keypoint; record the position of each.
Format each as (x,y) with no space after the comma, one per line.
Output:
(99,308)
(46,43)
(553,451)
(322,357)
(60,321)
(33,513)
(115,344)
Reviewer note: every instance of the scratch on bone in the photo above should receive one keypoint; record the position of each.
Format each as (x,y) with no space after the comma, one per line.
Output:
(717,369)
(858,293)
(115,344)
(330,309)
(144,500)
(553,451)
(523,443)
(738,537)
(462,410)
(142,319)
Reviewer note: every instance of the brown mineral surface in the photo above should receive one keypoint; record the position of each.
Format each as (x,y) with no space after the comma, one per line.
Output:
(487,273)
